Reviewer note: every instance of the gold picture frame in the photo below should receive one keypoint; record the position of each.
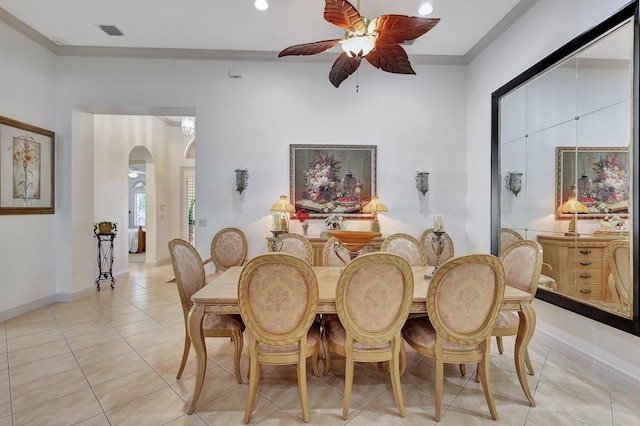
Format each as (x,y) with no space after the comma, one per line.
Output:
(332,179)
(599,178)
(27,168)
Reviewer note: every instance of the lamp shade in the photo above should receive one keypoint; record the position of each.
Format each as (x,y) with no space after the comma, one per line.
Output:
(573,206)
(374,206)
(283,205)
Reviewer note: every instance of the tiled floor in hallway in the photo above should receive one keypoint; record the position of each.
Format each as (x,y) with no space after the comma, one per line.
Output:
(112,358)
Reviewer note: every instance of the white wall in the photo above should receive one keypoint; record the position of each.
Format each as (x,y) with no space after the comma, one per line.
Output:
(29,247)
(417,122)
(521,46)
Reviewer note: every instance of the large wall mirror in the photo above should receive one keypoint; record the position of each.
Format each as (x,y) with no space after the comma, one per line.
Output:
(565,170)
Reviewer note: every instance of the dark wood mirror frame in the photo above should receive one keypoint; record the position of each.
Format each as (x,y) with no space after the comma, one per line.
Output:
(629,325)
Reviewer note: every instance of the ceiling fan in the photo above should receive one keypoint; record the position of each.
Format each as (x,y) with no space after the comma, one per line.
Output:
(134,173)
(378,40)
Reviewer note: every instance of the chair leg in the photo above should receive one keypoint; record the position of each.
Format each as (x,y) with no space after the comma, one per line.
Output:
(327,355)
(185,353)
(439,386)
(348,384)
(253,381)
(463,370)
(302,387)
(499,342)
(314,361)
(395,383)
(527,360)
(486,386)
(237,344)
(403,359)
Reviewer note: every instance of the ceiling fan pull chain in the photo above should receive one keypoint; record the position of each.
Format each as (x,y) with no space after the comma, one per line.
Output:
(357,81)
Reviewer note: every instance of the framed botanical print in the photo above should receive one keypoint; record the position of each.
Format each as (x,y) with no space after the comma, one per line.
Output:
(26,168)
(332,179)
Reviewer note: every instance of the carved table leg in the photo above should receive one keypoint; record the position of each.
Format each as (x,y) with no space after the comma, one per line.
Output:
(525,332)
(196,314)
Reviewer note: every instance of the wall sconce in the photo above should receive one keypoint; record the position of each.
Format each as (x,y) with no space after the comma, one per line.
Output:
(422,182)
(513,182)
(242,179)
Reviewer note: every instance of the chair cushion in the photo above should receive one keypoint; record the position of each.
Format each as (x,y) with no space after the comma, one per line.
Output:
(313,337)
(421,332)
(222,322)
(337,335)
(507,320)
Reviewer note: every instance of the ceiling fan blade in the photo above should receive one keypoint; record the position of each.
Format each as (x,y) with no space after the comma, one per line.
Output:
(309,48)
(401,28)
(344,15)
(342,68)
(390,58)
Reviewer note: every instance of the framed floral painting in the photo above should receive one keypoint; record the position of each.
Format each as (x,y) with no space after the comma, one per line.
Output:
(599,178)
(332,179)
(26,168)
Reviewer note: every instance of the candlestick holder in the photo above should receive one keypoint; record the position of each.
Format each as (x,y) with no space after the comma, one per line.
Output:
(437,242)
(276,241)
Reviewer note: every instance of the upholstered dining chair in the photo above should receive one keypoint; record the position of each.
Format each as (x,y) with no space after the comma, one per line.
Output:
(190,277)
(427,243)
(297,245)
(278,299)
(406,247)
(620,279)
(522,263)
(228,248)
(464,298)
(510,236)
(332,258)
(373,297)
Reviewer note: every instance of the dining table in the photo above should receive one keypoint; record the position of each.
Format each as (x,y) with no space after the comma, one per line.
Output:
(220,296)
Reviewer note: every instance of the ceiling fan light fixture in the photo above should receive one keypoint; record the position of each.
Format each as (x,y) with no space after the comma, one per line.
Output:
(358,46)
(188,126)
(133,174)
(261,4)
(425,9)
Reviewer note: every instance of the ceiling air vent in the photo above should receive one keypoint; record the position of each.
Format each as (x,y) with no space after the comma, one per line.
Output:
(112,30)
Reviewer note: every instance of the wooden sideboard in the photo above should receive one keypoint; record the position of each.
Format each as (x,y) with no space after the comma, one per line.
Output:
(580,265)
(317,243)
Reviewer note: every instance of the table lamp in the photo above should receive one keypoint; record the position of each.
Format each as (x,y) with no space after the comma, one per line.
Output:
(374,206)
(572,206)
(282,206)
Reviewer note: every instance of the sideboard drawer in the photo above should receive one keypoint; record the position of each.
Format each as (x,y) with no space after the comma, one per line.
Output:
(581,252)
(592,293)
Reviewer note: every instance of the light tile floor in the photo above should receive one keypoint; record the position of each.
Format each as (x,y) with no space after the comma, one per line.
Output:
(112,357)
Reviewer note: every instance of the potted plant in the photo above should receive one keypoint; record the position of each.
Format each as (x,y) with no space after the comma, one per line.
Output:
(191,219)
(107,227)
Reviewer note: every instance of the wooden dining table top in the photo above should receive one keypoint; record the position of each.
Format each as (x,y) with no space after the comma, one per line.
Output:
(221,293)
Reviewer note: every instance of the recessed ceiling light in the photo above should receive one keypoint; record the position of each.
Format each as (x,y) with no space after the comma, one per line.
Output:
(425,9)
(261,4)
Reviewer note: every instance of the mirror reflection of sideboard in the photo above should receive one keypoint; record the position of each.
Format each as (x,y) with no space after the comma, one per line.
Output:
(558,130)
(317,244)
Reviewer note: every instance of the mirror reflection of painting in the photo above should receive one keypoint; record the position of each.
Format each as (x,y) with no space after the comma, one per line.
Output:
(330,179)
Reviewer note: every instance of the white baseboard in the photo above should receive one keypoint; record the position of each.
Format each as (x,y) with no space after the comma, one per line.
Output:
(595,365)
(27,307)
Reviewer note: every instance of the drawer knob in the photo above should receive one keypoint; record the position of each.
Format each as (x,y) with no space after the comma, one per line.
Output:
(585,275)
(585,290)
(585,263)
(585,251)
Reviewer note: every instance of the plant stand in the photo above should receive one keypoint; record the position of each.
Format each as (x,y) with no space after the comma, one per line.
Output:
(105,257)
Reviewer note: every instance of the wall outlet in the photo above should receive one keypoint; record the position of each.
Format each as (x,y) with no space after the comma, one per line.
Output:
(202,221)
